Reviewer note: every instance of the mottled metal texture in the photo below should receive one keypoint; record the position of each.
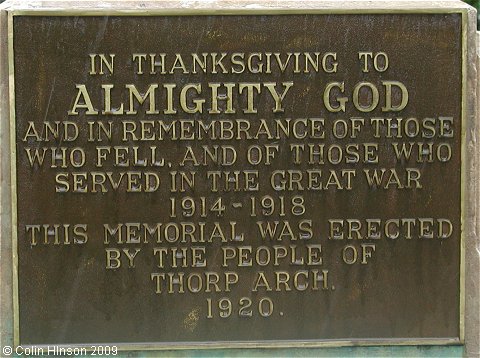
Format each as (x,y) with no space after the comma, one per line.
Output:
(410,290)
(389,298)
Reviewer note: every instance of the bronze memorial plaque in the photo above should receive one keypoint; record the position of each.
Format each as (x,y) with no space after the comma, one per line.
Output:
(227,179)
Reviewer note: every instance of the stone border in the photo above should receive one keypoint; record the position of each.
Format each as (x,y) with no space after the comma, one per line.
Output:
(472,192)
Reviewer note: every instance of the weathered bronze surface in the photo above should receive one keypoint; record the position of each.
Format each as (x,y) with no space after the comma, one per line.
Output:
(408,289)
